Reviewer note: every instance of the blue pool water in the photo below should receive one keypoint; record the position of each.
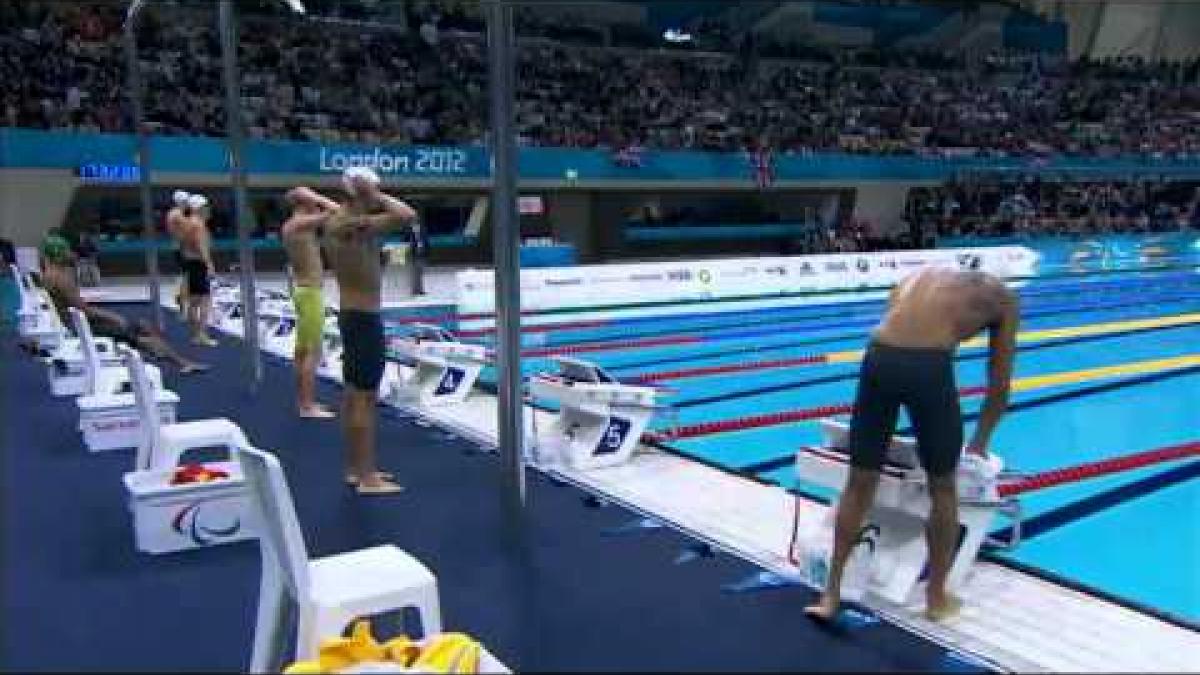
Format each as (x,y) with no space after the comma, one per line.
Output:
(1133,535)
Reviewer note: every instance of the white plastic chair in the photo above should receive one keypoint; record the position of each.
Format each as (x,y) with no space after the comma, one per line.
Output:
(161,445)
(329,592)
(101,380)
(36,318)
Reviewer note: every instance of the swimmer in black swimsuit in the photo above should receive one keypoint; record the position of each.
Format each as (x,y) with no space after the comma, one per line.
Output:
(910,363)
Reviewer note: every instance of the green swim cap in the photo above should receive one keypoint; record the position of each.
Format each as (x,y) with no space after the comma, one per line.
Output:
(56,249)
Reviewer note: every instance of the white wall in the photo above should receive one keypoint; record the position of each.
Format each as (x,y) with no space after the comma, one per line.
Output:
(881,204)
(570,217)
(32,201)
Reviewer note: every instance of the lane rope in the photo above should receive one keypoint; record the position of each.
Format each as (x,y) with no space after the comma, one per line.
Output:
(1018,385)
(1097,469)
(855,355)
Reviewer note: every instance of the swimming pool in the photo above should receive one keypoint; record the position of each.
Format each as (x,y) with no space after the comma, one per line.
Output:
(1134,535)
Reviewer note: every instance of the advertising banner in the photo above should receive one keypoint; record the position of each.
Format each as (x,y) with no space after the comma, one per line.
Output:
(602,285)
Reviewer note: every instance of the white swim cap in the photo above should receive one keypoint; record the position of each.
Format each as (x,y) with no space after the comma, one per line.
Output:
(359,172)
(197,201)
(180,198)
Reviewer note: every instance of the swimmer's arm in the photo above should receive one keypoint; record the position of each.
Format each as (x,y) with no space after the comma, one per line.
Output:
(395,212)
(204,243)
(307,222)
(324,203)
(1002,347)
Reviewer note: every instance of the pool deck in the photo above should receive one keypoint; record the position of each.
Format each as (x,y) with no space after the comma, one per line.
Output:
(1012,620)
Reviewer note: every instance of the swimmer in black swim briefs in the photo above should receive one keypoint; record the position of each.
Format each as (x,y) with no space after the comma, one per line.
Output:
(362,348)
(910,363)
(921,380)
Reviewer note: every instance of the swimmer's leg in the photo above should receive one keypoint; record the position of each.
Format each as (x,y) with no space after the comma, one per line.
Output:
(856,499)
(937,421)
(153,343)
(942,536)
(876,407)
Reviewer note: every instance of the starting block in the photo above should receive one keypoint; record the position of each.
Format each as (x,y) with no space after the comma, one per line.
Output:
(66,366)
(108,413)
(37,321)
(331,349)
(600,420)
(891,555)
(437,369)
(278,329)
(171,516)
(226,309)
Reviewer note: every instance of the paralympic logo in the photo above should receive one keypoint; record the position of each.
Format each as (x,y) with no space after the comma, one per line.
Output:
(187,523)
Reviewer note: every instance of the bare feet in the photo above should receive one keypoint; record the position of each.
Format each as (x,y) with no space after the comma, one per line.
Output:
(377,486)
(940,610)
(825,611)
(189,368)
(316,412)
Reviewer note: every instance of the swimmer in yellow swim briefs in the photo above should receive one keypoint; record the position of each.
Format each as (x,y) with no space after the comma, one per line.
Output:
(300,240)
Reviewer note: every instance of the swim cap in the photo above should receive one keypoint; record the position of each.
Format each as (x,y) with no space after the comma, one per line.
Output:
(359,172)
(197,201)
(180,198)
(56,249)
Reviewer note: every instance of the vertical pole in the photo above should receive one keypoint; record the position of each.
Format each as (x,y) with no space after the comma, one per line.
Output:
(136,94)
(233,122)
(501,76)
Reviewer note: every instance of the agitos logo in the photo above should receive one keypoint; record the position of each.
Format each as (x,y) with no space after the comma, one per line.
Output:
(187,523)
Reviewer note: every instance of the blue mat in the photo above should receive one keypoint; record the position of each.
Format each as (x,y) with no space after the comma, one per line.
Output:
(78,597)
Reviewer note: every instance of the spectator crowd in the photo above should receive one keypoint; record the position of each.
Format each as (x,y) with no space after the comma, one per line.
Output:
(340,80)
(1034,206)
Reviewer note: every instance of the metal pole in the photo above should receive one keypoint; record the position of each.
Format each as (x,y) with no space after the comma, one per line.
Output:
(237,171)
(501,77)
(136,95)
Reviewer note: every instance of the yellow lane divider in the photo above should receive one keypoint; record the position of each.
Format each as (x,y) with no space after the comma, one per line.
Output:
(1105,328)
(1102,372)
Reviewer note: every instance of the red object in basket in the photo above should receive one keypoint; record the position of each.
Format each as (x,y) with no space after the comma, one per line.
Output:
(196,473)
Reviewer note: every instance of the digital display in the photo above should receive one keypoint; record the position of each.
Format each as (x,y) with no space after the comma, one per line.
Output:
(109,173)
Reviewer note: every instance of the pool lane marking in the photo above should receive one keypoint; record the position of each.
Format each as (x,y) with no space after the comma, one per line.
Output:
(853,374)
(855,355)
(1018,385)
(768,465)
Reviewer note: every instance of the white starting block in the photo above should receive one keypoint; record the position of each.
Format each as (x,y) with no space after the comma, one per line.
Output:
(36,319)
(66,366)
(600,420)
(278,329)
(169,518)
(436,369)
(890,558)
(108,413)
(226,309)
(331,349)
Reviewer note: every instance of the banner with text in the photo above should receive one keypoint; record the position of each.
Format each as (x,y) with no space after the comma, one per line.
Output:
(602,285)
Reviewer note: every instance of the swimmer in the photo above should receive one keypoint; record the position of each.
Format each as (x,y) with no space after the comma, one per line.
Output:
(59,280)
(299,233)
(910,362)
(195,245)
(176,222)
(353,240)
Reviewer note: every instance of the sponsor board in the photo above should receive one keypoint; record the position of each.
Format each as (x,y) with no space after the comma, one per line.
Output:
(599,285)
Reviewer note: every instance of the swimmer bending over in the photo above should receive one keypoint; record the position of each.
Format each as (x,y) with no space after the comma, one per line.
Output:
(910,362)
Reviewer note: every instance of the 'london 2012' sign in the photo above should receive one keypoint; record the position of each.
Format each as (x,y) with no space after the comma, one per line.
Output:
(420,161)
